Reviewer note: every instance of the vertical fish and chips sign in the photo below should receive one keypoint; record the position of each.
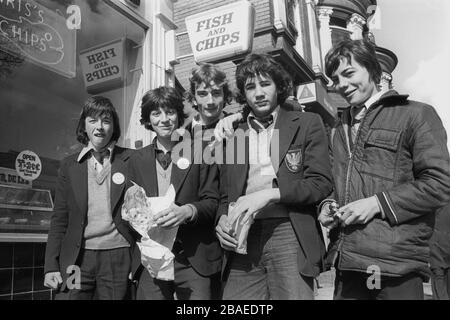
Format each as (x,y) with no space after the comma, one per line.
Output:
(34,32)
(223,32)
(104,65)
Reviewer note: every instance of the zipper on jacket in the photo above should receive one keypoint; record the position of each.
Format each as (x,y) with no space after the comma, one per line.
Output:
(347,179)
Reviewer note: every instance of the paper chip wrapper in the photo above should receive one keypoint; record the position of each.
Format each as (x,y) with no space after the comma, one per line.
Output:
(235,220)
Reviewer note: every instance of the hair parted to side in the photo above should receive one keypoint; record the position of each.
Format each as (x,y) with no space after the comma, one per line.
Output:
(163,97)
(362,51)
(262,64)
(209,74)
(97,107)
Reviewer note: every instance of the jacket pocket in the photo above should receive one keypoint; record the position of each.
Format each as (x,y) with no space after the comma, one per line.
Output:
(379,156)
(384,139)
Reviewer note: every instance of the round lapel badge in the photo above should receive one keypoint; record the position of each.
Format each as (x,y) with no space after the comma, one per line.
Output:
(183,163)
(118,178)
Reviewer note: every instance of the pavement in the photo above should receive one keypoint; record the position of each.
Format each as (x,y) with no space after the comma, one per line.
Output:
(325,287)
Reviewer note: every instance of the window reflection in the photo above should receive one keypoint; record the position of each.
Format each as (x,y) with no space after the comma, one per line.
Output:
(40,104)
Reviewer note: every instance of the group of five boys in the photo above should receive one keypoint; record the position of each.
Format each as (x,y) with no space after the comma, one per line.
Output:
(375,183)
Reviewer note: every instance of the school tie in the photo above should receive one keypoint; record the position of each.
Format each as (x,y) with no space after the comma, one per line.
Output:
(164,159)
(261,124)
(100,156)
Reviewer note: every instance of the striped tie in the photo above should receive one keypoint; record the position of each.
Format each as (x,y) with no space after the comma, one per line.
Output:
(260,124)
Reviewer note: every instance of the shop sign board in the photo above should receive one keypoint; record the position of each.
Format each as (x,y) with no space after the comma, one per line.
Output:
(103,66)
(32,31)
(222,32)
(12,178)
(28,165)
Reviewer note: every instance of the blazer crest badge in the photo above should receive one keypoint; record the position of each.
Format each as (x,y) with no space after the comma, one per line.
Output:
(293,160)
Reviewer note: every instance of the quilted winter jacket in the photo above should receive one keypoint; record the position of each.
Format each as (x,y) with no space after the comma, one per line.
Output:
(400,155)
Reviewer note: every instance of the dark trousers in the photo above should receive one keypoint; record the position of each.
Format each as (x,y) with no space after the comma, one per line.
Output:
(271,267)
(350,285)
(103,276)
(440,283)
(187,285)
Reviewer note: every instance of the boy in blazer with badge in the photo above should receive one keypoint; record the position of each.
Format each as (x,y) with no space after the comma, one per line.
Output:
(279,189)
(198,256)
(88,248)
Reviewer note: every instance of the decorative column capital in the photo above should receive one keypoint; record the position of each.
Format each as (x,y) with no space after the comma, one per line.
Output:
(356,20)
(386,76)
(324,13)
(386,81)
(356,26)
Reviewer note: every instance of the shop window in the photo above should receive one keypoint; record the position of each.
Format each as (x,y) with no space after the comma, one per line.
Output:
(49,65)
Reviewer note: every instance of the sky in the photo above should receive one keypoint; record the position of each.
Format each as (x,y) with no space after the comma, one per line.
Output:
(418,32)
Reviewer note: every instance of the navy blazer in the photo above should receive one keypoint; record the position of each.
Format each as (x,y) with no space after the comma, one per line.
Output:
(198,185)
(303,181)
(69,217)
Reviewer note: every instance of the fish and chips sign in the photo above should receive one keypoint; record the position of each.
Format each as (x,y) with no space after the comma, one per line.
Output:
(222,32)
(103,66)
(32,31)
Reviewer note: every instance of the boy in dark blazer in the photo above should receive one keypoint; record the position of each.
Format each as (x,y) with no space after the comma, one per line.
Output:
(87,234)
(196,249)
(278,189)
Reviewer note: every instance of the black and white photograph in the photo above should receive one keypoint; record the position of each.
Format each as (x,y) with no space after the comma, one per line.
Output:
(236,153)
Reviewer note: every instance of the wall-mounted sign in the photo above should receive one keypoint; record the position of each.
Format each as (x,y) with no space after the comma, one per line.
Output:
(40,35)
(11,177)
(307,92)
(315,96)
(222,32)
(28,165)
(103,66)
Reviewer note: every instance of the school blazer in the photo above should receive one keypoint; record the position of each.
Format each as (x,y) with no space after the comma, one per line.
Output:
(198,185)
(69,217)
(304,178)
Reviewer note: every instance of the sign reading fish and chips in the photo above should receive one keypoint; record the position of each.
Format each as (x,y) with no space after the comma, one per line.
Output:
(103,66)
(222,32)
(32,31)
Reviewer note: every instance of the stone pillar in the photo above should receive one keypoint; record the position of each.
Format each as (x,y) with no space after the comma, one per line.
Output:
(356,24)
(324,15)
(316,54)
(279,15)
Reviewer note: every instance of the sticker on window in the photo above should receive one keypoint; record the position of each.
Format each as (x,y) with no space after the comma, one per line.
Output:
(28,165)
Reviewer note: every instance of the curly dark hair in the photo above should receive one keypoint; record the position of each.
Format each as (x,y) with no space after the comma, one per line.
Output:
(97,107)
(262,64)
(163,97)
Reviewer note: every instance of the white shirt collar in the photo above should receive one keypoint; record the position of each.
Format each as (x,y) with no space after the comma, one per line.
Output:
(90,147)
(374,98)
(358,112)
(274,115)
